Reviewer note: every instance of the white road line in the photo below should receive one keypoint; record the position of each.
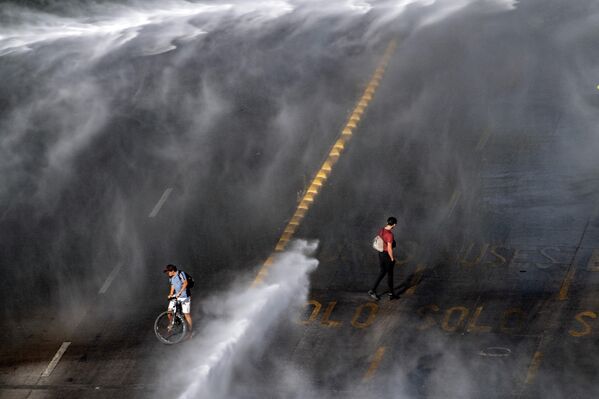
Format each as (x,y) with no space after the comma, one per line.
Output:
(483,140)
(160,202)
(56,359)
(455,197)
(109,279)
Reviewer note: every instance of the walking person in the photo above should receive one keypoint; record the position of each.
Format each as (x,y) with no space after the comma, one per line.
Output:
(179,291)
(386,259)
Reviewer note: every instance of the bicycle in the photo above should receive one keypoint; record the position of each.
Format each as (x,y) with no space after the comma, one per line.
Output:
(171,327)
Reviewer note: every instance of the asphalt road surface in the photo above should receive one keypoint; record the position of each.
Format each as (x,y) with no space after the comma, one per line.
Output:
(139,134)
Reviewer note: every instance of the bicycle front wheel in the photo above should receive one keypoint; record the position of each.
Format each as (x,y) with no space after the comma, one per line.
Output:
(170,330)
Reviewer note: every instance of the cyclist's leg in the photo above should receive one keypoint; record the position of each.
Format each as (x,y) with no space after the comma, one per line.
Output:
(171,310)
(186,305)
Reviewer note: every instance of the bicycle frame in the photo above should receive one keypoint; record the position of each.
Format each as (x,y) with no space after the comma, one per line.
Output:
(176,323)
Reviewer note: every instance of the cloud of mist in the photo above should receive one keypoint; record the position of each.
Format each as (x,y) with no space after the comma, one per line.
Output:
(233,104)
(76,106)
(240,320)
(97,91)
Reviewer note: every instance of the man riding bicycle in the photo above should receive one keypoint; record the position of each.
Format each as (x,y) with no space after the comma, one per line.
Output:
(180,292)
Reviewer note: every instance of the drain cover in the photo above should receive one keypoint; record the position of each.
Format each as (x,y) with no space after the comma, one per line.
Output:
(495,351)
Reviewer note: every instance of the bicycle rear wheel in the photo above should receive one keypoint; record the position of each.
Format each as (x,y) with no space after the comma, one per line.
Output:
(167,332)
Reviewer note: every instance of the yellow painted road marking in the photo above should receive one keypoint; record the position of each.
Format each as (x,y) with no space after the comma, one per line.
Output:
(374,365)
(547,337)
(373,310)
(326,317)
(420,268)
(473,327)
(565,287)
(534,367)
(586,327)
(447,324)
(327,166)
(315,312)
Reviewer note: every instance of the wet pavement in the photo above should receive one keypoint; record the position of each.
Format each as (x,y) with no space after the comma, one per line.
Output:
(493,184)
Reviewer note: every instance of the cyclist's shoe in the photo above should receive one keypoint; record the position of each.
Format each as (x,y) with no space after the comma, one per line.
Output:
(373,295)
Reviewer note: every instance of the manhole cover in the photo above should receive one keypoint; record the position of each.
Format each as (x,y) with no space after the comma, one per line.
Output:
(495,351)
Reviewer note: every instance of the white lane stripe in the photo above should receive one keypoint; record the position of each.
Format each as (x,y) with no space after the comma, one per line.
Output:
(455,197)
(56,359)
(109,279)
(160,202)
(483,140)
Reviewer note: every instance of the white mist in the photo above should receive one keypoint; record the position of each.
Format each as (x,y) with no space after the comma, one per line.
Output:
(240,321)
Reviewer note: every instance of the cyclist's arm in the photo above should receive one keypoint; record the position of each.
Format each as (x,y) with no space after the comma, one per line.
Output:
(171,292)
(183,288)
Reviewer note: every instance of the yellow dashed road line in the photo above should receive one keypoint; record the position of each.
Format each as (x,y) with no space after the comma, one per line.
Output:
(374,365)
(534,367)
(325,170)
(565,287)
(420,268)
(569,277)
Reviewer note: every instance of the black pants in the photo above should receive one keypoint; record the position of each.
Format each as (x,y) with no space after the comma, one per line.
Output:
(386,266)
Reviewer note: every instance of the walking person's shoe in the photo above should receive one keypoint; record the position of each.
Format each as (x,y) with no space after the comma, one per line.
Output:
(373,295)
(392,296)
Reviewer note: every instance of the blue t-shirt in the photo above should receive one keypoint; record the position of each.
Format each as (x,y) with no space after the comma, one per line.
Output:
(177,282)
